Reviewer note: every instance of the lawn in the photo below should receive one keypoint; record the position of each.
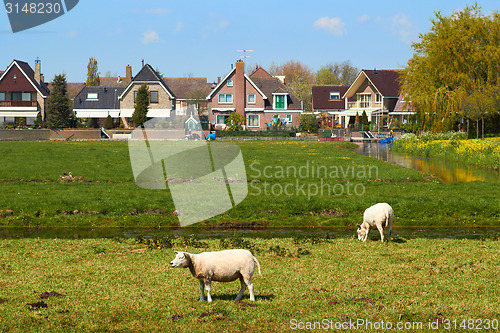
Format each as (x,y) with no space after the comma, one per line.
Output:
(121,285)
(290,183)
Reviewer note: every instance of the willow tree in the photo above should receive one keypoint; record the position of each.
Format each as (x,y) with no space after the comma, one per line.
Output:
(453,65)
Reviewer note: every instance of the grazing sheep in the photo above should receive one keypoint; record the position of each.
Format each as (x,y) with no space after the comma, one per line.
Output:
(221,266)
(378,216)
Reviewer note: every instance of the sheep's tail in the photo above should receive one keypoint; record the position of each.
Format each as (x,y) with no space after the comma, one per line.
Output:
(258,265)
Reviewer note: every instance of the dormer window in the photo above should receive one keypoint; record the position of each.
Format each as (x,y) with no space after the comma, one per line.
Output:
(334,95)
(229,83)
(92,97)
(279,101)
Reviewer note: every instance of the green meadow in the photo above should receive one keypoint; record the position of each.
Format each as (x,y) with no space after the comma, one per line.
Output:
(122,285)
(290,183)
(308,281)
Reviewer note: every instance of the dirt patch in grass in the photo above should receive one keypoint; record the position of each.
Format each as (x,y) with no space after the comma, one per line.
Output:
(37,305)
(242,306)
(50,294)
(177,316)
(2,301)
(206,314)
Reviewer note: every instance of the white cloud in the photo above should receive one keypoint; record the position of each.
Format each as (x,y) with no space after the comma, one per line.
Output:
(333,25)
(401,25)
(150,36)
(179,26)
(154,11)
(363,18)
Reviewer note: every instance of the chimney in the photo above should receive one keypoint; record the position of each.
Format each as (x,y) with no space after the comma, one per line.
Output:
(128,73)
(239,98)
(218,79)
(38,70)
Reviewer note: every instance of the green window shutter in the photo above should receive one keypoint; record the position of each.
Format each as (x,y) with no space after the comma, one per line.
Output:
(280,102)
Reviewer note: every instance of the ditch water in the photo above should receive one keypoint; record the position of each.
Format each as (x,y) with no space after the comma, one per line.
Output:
(271,232)
(448,171)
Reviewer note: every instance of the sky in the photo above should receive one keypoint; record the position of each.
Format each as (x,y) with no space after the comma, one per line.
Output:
(202,38)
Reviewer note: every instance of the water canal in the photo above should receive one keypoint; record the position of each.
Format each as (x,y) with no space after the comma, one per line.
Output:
(448,171)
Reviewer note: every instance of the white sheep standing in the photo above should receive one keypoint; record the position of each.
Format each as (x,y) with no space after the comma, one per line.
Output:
(221,266)
(378,216)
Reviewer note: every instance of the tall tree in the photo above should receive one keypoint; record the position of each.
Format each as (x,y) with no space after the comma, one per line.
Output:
(197,98)
(339,73)
(300,79)
(59,113)
(139,117)
(453,67)
(93,78)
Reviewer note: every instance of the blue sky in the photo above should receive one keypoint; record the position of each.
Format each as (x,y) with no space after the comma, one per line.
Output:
(201,38)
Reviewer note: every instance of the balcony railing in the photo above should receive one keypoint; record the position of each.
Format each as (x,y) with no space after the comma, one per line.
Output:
(18,104)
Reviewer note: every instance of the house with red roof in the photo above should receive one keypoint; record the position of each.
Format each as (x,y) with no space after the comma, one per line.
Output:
(260,98)
(378,93)
(23,93)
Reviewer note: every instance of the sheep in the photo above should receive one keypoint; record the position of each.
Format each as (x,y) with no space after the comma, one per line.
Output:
(221,266)
(378,216)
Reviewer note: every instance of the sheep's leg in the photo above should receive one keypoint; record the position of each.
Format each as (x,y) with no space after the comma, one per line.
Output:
(390,233)
(242,290)
(208,285)
(381,230)
(249,283)
(202,286)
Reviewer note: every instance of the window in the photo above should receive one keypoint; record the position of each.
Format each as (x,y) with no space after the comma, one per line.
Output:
(153,96)
(288,118)
(221,119)
(26,96)
(253,120)
(279,101)
(334,95)
(2,96)
(378,98)
(229,83)
(16,96)
(251,98)
(92,97)
(364,100)
(225,98)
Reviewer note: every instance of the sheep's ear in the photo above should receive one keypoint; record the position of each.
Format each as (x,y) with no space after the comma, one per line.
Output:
(358,226)
(176,252)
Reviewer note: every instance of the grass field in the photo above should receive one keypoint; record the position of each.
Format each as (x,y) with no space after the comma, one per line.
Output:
(290,184)
(122,286)
(126,285)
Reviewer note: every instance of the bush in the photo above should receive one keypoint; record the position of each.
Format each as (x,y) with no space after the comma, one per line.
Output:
(308,123)
(109,123)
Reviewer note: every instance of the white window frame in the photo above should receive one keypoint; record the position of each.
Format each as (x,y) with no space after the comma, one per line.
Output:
(229,83)
(92,96)
(334,94)
(289,118)
(364,100)
(225,98)
(248,99)
(258,120)
(378,98)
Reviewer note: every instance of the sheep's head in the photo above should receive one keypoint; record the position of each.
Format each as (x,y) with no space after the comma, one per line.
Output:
(362,232)
(181,259)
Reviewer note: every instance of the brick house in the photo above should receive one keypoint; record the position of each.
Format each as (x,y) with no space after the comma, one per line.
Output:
(23,93)
(259,97)
(378,93)
(329,98)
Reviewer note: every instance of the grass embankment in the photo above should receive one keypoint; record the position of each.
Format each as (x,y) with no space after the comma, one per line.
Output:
(290,184)
(483,153)
(122,286)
